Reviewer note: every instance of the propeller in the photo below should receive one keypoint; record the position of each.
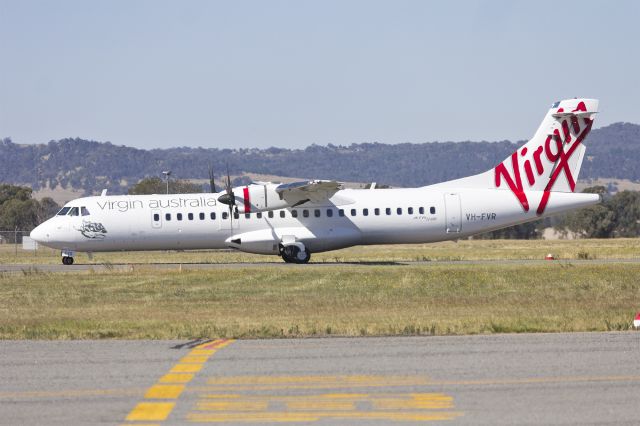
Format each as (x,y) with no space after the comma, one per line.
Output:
(212,181)
(228,198)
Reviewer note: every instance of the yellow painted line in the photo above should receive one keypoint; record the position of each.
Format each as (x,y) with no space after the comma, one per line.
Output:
(321,405)
(151,411)
(312,416)
(232,405)
(286,380)
(217,385)
(338,397)
(176,378)
(172,385)
(164,391)
(215,344)
(186,368)
(194,359)
(141,424)
(202,352)
(309,387)
(346,395)
(535,380)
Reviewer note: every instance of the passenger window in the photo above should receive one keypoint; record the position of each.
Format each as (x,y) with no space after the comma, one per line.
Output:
(270,214)
(63,211)
(388,211)
(282,214)
(365,212)
(212,215)
(316,213)
(74,211)
(179,216)
(421,210)
(294,213)
(201,216)
(236,215)
(432,210)
(353,212)
(84,211)
(341,213)
(247,215)
(410,210)
(376,211)
(305,213)
(167,216)
(225,215)
(399,211)
(329,212)
(156,217)
(259,215)
(190,215)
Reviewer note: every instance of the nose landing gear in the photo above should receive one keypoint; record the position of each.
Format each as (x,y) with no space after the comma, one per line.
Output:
(295,253)
(67,257)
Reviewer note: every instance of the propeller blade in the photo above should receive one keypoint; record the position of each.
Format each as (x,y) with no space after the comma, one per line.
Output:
(212,181)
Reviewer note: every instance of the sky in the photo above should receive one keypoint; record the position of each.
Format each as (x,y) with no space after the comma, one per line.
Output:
(244,74)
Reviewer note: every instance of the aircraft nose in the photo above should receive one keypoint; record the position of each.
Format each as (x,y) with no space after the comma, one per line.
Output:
(40,234)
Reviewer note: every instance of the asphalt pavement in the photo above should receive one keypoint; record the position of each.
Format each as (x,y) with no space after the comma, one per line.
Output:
(575,378)
(97,267)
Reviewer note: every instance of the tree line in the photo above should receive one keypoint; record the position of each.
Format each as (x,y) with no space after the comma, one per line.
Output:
(20,211)
(618,215)
(612,152)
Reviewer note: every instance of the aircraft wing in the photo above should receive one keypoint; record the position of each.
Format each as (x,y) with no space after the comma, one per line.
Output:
(297,193)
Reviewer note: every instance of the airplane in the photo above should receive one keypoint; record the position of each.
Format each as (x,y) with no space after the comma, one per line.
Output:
(297,219)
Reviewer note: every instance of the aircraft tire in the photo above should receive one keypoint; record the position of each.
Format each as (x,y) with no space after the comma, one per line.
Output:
(67,260)
(290,255)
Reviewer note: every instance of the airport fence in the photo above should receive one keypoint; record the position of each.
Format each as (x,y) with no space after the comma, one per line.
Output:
(17,242)
(14,236)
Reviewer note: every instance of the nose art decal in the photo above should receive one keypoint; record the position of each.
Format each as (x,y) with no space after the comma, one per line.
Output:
(92,230)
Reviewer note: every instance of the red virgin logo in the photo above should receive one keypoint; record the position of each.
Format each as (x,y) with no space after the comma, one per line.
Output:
(553,150)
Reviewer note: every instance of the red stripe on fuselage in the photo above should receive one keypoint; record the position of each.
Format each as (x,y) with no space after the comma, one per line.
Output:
(247,203)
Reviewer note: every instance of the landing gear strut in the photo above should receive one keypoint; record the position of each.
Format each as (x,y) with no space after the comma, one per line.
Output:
(295,254)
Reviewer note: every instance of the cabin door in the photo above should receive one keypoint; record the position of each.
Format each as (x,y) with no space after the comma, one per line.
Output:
(453,213)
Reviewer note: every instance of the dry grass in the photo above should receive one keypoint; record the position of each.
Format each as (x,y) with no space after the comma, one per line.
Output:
(284,301)
(463,250)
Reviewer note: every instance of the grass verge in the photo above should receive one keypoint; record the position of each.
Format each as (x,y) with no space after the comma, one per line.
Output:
(432,299)
(618,248)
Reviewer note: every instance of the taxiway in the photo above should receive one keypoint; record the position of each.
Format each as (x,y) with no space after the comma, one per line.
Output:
(579,378)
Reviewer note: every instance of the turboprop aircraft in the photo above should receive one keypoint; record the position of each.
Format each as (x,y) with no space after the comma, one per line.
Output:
(296,219)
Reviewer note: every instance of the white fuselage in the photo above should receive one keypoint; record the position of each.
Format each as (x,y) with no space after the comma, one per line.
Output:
(535,181)
(375,216)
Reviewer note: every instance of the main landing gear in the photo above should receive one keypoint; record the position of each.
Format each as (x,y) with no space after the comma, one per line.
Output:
(67,257)
(295,253)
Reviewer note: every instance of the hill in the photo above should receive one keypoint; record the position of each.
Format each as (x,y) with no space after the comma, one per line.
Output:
(89,166)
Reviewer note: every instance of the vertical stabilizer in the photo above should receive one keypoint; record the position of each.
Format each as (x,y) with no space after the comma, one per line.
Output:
(549,162)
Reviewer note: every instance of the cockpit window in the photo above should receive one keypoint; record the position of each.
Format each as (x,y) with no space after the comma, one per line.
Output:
(74,211)
(63,211)
(84,211)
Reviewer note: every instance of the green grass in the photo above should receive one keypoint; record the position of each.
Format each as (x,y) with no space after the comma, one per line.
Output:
(619,248)
(348,300)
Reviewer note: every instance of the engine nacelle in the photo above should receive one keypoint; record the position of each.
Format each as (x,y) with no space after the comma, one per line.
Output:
(259,242)
(258,198)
